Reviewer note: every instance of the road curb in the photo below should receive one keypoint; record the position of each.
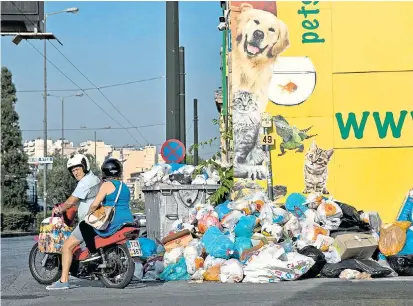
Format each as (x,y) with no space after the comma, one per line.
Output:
(9,235)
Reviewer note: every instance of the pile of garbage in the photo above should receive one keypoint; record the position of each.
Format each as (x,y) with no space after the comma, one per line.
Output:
(254,240)
(180,174)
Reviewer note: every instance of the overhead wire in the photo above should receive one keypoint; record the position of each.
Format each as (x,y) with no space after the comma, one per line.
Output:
(137,142)
(93,88)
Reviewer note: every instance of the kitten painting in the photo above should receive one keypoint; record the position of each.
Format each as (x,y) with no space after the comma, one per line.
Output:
(249,155)
(316,169)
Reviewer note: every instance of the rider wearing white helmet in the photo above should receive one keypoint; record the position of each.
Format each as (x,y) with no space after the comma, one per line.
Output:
(83,196)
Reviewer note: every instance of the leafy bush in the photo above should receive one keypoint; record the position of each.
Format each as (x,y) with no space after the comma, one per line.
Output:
(14,220)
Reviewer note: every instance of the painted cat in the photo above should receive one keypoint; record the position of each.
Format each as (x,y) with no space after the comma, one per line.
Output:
(316,169)
(249,155)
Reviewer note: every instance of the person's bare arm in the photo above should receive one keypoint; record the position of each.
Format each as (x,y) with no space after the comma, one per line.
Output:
(70,202)
(104,190)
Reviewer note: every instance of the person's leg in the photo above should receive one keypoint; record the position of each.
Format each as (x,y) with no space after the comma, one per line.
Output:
(67,256)
(89,234)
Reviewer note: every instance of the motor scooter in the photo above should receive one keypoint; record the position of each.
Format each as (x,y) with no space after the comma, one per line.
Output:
(115,267)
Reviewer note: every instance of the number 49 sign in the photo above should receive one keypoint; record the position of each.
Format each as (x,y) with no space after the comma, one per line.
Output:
(267,140)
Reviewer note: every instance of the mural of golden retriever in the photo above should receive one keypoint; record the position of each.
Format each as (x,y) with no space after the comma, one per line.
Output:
(260,38)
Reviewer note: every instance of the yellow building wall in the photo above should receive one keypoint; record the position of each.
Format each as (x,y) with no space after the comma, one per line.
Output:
(364,67)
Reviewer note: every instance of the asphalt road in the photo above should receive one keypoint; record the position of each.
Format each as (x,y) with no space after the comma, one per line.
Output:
(19,288)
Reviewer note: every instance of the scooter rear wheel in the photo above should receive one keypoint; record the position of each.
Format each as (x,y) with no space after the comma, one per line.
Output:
(120,269)
(50,272)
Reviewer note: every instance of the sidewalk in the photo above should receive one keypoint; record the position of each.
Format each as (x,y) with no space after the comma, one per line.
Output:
(17,234)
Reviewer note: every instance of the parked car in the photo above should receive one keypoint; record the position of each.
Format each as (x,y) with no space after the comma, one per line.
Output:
(140,219)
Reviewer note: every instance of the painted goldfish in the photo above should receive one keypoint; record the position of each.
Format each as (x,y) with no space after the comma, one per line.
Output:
(290,87)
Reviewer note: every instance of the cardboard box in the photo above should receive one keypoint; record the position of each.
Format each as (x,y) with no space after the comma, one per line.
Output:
(179,239)
(357,245)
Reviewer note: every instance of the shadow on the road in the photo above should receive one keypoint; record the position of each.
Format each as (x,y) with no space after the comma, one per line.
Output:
(22,297)
(134,284)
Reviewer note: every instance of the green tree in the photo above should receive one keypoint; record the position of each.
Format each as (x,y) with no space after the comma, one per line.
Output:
(190,159)
(14,160)
(60,183)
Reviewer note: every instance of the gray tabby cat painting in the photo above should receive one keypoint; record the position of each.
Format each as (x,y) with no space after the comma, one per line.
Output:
(246,119)
(316,169)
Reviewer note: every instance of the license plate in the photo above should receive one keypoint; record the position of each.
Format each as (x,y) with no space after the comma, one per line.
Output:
(134,248)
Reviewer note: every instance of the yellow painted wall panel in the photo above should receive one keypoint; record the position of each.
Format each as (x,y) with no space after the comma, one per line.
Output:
(319,104)
(374,179)
(372,36)
(377,94)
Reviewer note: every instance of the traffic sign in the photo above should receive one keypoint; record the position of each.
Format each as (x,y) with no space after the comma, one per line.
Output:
(41,160)
(266,120)
(173,151)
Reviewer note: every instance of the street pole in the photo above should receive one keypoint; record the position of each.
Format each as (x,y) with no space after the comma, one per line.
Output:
(195,132)
(182,119)
(172,70)
(63,126)
(45,121)
(96,162)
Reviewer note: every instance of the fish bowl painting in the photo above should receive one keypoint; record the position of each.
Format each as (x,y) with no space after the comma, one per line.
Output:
(293,81)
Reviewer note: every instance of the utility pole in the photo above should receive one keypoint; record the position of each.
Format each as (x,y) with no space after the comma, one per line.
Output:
(96,162)
(45,120)
(195,132)
(172,70)
(182,119)
(63,126)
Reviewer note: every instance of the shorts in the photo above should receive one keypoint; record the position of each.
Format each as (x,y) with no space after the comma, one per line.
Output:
(77,234)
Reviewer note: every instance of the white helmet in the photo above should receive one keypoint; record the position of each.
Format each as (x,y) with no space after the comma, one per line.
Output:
(78,160)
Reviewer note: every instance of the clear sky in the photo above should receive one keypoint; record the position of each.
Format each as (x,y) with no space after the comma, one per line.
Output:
(116,42)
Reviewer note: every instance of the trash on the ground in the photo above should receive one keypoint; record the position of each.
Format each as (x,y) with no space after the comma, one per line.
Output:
(355,245)
(353,274)
(231,271)
(179,239)
(392,240)
(252,239)
(362,265)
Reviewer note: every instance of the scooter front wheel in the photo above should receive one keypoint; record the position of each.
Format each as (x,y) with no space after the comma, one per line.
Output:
(45,268)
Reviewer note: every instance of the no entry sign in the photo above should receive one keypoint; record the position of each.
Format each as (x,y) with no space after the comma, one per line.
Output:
(173,151)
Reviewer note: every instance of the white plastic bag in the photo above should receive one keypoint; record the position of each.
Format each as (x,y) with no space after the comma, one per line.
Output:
(323,242)
(231,271)
(231,219)
(274,230)
(293,227)
(329,214)
(310,231)
(332,256)
(191,252)
(211,261)
(199,180)
(173,256)
(272,264)
(138,270)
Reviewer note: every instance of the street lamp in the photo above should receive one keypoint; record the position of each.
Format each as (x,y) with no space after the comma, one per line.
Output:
(68,10)
(62,98)
(94,132)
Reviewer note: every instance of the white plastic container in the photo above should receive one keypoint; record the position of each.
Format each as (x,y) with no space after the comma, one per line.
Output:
(293,81)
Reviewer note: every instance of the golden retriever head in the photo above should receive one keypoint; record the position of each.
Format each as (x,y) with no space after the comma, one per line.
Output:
(260,34)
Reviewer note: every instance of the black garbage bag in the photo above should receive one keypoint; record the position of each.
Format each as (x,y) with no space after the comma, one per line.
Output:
(181,178)
(351,221)
(402,264)
(362,265)
(317,256)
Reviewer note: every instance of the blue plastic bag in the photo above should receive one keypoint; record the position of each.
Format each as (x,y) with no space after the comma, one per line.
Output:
(148,247)
(245,226)
(175,272)
(222,209)
(406,212)
(217,244)
(241,244)
(295,205)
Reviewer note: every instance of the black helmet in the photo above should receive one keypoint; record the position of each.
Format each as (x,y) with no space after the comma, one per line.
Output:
(111,168)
